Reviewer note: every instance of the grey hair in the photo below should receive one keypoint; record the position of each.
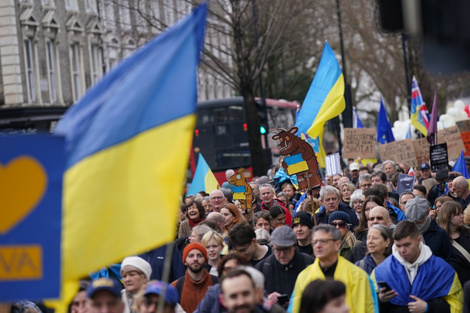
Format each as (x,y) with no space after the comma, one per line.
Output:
(201,230)
(363,177)
(335,234)
(356,195)
(389,161)
(326,190)
(266,185)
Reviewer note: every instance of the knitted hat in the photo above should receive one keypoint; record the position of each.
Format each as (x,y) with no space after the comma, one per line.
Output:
(302,217)
(416,209)
(139,264)
(283,236)
(339,215)
(192,246)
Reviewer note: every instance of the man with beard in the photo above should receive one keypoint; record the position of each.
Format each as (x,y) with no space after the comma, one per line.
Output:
(239,293)
(194,284)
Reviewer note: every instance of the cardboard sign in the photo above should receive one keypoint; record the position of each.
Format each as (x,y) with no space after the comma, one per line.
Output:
(405,183)
(464,126)
(421,147)
(439,157)
(466,141)
(451,136)
(399,151)
(332,164)
(359,142)
(31,170)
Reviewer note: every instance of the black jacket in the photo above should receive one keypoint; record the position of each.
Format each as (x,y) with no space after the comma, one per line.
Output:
(281,278)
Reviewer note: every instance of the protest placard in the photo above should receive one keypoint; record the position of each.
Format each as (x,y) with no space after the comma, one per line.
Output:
(359,142)
(405,183)
(31,216)
(451,136)
(332,164)
(439,156)
(399,151)
(421,147)
(464,126)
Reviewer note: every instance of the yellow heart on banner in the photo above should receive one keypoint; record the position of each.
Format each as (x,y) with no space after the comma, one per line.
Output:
(23,182)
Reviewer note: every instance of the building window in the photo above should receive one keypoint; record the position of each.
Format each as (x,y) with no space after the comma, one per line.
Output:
(31,69)
(71,5)
(76,66)
(91,5)
(47,3)
(52,70)
(95,63)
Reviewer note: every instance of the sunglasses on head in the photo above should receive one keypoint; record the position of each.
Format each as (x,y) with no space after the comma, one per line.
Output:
(340,224)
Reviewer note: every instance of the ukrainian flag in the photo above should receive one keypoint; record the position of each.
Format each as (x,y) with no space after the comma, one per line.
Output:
(325,98)
(296,164)
(127,141)
(204,179)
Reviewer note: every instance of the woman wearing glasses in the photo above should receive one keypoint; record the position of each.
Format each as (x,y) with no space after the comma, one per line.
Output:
(341,221)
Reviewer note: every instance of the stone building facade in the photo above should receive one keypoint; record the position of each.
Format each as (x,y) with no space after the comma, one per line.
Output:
(52,51)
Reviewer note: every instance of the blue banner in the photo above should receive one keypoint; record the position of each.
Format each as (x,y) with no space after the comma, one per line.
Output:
(31,170)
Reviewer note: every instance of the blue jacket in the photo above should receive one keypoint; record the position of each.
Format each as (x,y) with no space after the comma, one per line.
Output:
(367,264)
(434,279)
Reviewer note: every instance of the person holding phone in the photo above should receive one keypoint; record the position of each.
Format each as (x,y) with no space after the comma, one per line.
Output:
(418,281)
(282,267)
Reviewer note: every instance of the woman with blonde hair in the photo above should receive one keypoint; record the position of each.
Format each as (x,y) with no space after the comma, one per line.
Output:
(214,244)
(450,218)
(232,216)
(347,189)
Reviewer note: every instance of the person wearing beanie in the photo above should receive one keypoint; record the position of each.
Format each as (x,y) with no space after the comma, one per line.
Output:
(135,272)
(281,268)
(302,225)
(194,284)
(434,236)
(341,221)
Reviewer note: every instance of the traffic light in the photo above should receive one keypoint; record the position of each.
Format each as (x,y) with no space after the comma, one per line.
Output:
(263,116)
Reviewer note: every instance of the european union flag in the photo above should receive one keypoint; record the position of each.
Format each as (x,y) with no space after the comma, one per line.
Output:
(384,129)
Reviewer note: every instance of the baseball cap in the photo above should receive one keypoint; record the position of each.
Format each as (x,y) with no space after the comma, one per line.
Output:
(106,284)
(424,166)
(157,287)
(354,167)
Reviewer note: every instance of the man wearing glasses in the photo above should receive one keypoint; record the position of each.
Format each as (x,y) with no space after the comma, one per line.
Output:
(329,265)
(280,269)
(217,200)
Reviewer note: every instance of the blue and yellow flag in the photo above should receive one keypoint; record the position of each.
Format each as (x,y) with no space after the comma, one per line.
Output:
(204,179)
(325,98)
(126,142)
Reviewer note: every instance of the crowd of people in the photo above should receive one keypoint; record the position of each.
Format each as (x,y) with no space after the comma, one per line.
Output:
(350,245)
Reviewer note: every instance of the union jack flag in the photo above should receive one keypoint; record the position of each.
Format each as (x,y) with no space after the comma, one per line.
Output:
(419,111)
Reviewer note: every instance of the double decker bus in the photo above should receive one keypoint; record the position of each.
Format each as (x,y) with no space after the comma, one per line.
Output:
(221,132)
(26,120)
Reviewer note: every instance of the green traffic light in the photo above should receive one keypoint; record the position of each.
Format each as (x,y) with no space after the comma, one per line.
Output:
(262,130)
